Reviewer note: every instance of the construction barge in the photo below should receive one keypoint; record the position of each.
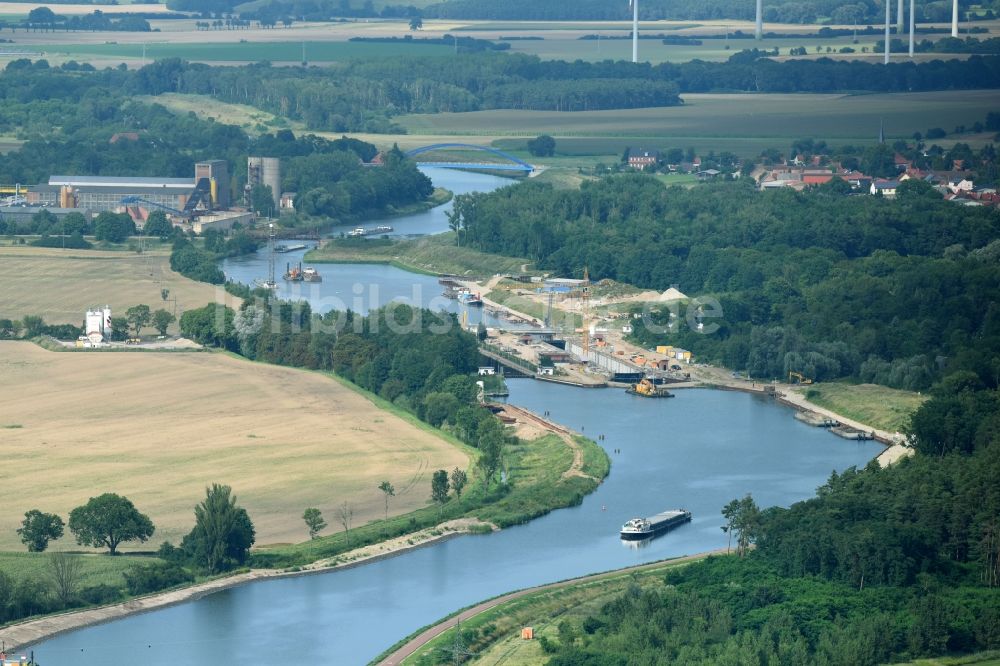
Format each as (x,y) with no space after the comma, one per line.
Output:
(637,529)
(647,389)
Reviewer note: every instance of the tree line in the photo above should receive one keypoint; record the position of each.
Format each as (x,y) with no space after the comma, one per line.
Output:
(675,10)
(219,541)
(898,292)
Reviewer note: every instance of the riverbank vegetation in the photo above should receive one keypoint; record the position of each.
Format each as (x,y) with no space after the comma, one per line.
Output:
(437,255)
(882,291)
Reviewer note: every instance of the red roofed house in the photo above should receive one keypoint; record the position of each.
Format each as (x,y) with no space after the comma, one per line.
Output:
(641,159)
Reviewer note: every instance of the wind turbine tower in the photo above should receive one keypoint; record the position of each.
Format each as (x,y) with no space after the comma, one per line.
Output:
(912,26)
(954,18)
(634,4)
(888,19)
(899,17)
(758,30)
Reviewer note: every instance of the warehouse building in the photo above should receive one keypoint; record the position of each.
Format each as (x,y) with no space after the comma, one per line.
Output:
(208,189)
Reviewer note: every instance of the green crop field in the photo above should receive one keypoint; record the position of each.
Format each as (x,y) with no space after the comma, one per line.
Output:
(742,123)
(249,51)
(97,569)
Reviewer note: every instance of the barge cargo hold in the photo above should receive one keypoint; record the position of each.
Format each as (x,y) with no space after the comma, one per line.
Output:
(644,528)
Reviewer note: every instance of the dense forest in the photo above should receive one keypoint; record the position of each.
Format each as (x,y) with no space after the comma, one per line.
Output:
(882,565)
(896,292)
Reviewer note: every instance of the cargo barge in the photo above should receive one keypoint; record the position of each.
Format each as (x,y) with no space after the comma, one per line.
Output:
(644,528)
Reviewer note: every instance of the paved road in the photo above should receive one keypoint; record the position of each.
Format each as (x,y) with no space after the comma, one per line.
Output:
(413,645)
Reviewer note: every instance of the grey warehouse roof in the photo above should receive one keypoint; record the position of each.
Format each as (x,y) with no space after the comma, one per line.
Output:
(120,182)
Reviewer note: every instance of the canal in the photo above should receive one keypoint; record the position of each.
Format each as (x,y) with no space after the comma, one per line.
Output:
(697,451)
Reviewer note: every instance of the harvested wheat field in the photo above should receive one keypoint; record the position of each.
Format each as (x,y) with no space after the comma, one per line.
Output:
(60,285)
(159,427)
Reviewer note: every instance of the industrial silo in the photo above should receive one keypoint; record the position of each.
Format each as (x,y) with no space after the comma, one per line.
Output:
(95,326)
(266,171)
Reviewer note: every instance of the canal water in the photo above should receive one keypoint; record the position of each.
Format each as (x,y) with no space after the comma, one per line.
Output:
(362,287)
(697,451)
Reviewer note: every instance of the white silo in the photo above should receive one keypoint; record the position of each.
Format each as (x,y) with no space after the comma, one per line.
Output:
(107,322)
(95,326)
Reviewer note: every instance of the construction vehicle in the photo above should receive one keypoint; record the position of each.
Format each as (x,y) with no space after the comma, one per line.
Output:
(648,389)
(799,378)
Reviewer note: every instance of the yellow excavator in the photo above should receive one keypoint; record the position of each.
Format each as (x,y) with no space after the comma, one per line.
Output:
(798,378)
(648,389)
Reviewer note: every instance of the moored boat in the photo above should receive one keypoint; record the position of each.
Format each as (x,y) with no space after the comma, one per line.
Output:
(310,274)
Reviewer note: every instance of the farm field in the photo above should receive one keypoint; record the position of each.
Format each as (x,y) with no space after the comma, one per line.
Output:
(723,118)
(59,285)
(280,51)
(160,427)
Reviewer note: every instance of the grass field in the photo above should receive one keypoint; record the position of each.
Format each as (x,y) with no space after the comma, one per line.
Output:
(884,408)
(433,254)
(158,428)
(205,107)
(96,569)
(60,285)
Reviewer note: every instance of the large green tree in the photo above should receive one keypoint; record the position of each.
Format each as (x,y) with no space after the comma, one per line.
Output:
(109,520)
(38,529)
(223,532)
(138,316)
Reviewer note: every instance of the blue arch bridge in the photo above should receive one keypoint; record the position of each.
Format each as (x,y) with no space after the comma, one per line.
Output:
(512,164)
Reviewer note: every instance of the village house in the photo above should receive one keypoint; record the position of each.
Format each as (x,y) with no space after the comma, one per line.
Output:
(886,188)
(642,159)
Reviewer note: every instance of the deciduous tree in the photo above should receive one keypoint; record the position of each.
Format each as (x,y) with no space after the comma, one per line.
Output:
(314,521)
(38,529)
(439,486)
(108,521)
(458,481)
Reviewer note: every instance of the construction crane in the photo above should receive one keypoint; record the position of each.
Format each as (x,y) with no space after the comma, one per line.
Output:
(799,377)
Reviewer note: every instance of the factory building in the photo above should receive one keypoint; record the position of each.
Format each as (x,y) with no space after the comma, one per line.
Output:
(207,190)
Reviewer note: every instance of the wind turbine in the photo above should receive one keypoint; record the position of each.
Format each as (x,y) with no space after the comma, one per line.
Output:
(899,17)
(912,25)
(634,6)
(758,30)
(888,19)
(954,18)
